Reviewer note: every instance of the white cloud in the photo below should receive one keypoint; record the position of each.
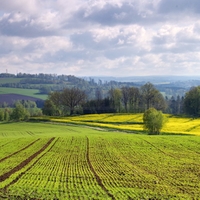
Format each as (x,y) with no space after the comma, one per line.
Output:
(105,37)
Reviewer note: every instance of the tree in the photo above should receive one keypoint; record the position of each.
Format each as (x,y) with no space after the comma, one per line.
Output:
(45,90)
(115,96)
(153,121)
(19,112)
(71,98)
(7,114)
(55,98)
(152,97)
(192,102)
(134,98)
(1,114)
(125,97)
(49,108)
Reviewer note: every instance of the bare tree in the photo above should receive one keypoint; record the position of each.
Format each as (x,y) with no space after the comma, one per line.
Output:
(125,97)
(71,98)
(152,97)
(134,98)
(115,96)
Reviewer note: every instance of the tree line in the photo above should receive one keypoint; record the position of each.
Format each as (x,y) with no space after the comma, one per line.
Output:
(22,110)
(120,100)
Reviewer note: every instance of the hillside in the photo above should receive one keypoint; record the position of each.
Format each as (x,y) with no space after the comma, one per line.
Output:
(168,85)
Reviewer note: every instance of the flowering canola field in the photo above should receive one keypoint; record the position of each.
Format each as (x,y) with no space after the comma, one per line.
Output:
(61,161)
(134,122)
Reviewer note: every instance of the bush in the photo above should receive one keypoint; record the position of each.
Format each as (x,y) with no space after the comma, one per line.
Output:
(153,121)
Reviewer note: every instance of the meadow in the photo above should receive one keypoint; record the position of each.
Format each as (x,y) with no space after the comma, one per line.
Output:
(53,160)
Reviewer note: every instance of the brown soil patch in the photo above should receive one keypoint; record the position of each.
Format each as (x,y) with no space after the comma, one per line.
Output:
(11,98)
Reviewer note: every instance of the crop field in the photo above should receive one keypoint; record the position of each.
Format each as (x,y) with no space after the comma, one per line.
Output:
(10,80)
(61,161)
(27,92)
(133,122)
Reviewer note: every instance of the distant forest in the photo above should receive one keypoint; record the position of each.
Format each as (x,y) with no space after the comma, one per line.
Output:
(101,96)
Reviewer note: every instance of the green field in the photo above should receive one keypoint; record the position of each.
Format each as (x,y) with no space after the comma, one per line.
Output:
(10,80)
(26,92)
(62,161)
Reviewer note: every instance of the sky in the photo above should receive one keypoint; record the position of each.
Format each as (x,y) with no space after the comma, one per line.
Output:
(100,37)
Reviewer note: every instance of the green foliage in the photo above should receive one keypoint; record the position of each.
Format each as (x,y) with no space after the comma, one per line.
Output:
(192,102)
(153,121)
(7,114)
(115,96)
(20,112)
(31,108)
(1,114)
(49,108)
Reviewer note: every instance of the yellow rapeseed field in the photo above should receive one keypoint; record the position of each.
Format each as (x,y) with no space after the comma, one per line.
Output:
(133,122)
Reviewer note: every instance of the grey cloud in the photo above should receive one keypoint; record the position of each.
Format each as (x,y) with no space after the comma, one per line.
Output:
(68,56)
(111,15)
(23,28)
(107,37)
(86,40)
(174,6)
(120,52)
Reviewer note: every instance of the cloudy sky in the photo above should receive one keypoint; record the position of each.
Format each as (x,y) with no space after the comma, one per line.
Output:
(100,37)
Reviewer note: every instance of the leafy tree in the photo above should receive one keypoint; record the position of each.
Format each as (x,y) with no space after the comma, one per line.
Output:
(1,114)
(192,101)
(7,114)
(55,98)
(19,112)
(153,121)
(45,90)
(32,108)
(49,108)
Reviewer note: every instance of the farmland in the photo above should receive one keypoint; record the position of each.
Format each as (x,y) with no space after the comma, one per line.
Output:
(27,92)
(133,122)
(72,161)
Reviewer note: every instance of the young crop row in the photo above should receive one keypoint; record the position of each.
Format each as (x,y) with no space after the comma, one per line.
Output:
(62,173)
(13,160)
(81,163)
(140,164)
